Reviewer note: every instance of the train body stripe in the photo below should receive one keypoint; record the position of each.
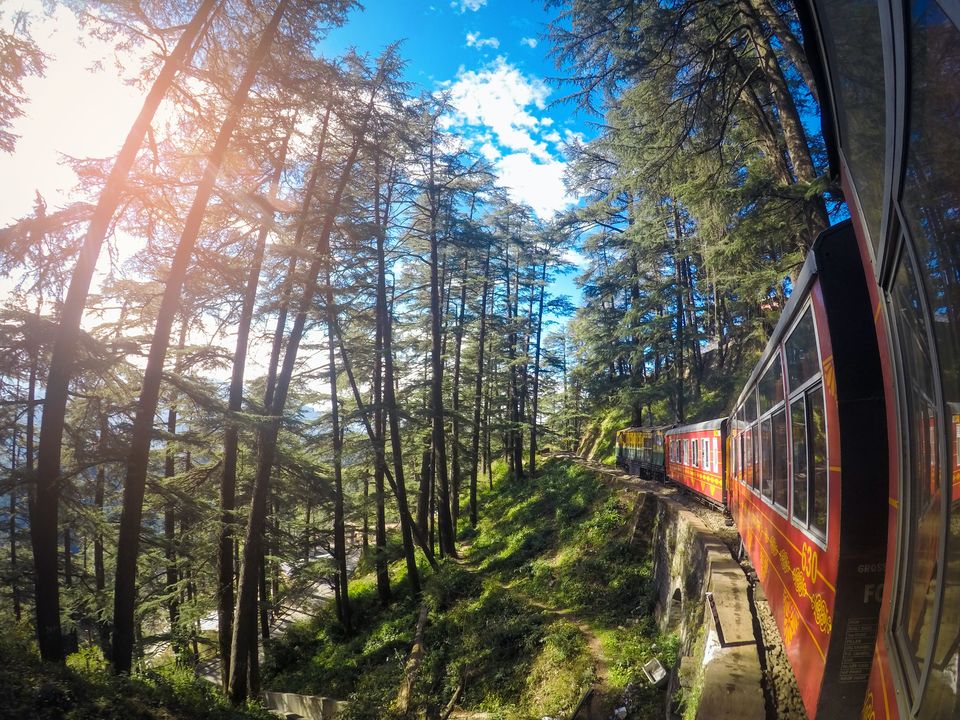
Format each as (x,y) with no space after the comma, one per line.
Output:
(789,541)
(772,565)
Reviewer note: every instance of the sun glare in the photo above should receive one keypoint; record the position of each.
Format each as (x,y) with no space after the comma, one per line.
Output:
(80,108)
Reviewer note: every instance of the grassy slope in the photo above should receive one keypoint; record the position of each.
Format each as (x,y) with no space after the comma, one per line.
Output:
(85,689)
(548,582)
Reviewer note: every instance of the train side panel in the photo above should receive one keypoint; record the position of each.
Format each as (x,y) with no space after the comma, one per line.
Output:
(695,459)
(808,463)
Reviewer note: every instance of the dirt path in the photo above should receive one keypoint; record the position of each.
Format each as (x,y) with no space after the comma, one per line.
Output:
(601,701)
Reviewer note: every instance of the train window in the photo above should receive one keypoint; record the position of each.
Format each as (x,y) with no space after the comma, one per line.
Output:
(801,349)
(695,455)
(750,406)
(750,453)
(923,501)
(798,436)
(817,437)
(780,450)
(770,389)
(716,456)
(766,459)
(857,63)
(706,454)
(931,208)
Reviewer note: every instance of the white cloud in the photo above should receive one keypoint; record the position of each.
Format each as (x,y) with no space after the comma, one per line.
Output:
(536,183)
(498,97)
(474,40)
(530,42)
(463,5)
(496,109)
(575,258)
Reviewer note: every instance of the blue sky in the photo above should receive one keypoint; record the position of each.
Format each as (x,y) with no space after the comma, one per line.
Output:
(492,57)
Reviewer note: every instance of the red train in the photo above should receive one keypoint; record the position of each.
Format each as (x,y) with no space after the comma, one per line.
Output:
(888,83)
(797,464)
(888,76)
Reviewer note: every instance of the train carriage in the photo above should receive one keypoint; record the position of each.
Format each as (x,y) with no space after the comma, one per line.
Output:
(640,451)
(695,458)
(888,76)
(807,481)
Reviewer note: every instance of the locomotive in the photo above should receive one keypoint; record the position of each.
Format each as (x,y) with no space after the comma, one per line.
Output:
(861,480)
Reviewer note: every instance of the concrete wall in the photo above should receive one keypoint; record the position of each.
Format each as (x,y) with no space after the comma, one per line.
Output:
(309,707)
(704,597)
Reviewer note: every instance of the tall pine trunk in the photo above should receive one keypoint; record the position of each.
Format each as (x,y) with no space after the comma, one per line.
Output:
(139,456)
(45,508)
(244,631)
(478,389)
(228,481)
(535,400)
(455,404)
(438,436)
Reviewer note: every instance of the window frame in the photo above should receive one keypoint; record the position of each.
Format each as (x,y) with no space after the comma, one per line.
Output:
(791,394)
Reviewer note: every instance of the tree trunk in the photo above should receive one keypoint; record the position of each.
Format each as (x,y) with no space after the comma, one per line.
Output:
(170,519)
(138,460)
(455,442)
(535,402)
(244,632)
(43,520)
(228,481)
(379,425)
(339,534)
(478,389)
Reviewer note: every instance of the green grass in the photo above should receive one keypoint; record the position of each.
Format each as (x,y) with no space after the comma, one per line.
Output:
(85,689)
(548,561)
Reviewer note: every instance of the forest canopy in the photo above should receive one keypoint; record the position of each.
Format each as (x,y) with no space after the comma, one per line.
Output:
(298,316)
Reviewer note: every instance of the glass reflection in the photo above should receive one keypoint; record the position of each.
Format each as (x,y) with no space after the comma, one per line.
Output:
(856,60)
(931,204)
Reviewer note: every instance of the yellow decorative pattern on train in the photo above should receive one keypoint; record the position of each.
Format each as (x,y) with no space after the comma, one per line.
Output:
(800,583)
(808,559)
(791,619)
(829,376)
(868,713)
(820,614)
(799,575)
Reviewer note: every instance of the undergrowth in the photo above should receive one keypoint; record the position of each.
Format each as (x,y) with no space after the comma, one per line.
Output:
(85,689)
(548,567)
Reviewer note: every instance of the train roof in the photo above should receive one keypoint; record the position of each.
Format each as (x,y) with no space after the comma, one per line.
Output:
(797,298)
(715,424)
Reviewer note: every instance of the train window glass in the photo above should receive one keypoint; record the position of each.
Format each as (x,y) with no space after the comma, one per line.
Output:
(750,406)
(798,437)
(801,349)
(931,207)
(706,454)
(780,450)
(716,456)
(770,389)
(915,619)
(766,459)
(695,459)
(751,454)
(857,68)
(817,433)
